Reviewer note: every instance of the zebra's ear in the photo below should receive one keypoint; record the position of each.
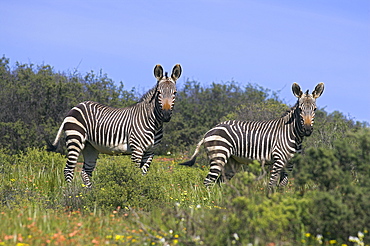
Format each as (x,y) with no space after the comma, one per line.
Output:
(158,72)
(319,89)
(297,90)
(176,72)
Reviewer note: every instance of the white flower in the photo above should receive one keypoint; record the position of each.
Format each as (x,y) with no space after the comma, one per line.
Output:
(353,239)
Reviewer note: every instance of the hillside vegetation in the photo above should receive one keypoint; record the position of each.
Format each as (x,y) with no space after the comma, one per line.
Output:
(326,202)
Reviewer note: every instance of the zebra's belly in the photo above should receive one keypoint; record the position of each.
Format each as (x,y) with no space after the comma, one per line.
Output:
(244,160)
(122,148)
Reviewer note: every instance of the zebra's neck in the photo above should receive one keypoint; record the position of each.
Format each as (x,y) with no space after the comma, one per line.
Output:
(292,120)
(149,102)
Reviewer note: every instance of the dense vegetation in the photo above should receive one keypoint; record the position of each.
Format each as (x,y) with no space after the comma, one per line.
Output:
(326,201)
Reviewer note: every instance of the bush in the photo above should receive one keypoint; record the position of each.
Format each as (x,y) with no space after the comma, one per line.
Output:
(341,201)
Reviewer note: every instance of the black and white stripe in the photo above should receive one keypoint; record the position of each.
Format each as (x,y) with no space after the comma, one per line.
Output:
(93,128)
(232,143)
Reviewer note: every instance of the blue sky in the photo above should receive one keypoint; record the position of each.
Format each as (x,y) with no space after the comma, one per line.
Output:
(270,43)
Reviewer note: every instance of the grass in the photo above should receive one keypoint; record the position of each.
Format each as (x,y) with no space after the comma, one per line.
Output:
(168,206)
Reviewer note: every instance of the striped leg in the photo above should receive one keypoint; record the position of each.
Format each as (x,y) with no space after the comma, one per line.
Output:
(217,168)
(277,167)
(90,155)
(137,156)
(284,175)
(146,161)
(74,146)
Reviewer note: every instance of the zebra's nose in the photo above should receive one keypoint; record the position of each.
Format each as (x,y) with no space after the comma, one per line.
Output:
(167,115)
(307,130)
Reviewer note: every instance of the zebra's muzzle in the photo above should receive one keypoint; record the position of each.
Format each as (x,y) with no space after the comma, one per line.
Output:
(166,115)
(307,130)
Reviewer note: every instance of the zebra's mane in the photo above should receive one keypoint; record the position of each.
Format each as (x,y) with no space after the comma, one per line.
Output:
(147,97)
(287,116)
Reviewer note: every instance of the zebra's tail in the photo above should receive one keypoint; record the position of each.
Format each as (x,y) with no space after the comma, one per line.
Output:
(54,146)
(194,157)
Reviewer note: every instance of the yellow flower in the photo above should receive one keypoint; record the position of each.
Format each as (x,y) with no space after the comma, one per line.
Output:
(308,234)
(333,241)
(118,237)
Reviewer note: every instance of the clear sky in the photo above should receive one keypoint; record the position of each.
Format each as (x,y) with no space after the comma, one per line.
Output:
(270,43)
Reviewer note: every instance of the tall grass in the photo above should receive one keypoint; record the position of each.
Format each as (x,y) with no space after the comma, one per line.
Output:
(168,206)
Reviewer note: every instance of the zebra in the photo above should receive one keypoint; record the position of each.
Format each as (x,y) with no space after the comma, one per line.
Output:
(232,143)
(93,128)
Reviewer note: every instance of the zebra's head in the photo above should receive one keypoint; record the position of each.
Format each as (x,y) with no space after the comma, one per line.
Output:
(166,90)
(307,106)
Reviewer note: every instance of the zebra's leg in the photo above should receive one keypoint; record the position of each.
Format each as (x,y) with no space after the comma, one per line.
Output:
(231,168)
(275,172)
(284,175)
(216,169)
(146,161)
(137,156)
(74,147)
(90,155)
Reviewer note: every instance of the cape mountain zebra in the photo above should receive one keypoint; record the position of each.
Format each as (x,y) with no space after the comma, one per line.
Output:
(232,143)
(91,127)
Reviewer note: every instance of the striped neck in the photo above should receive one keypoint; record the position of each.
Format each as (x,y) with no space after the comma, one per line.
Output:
(293,118)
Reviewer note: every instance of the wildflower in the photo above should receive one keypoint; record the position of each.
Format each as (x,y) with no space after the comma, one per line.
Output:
(319,238)
(308,234)
(333,241)
(118,237)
